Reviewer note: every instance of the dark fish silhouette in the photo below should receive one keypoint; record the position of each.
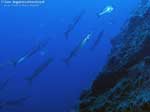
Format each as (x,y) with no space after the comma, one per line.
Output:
(13,103)
(17,102)
(77,48)
(5,83)
(98,39)
(38,70)
(74,23)
(30,53)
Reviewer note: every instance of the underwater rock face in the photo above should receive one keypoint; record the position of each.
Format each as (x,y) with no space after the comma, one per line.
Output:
(130,94)
(124,83)
(129,48)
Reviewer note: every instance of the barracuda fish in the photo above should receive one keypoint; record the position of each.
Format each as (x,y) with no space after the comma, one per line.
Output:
(38,70)
(13,103)
(106,10)
(16,102)
(30,53)
(76,49)
(98,39)
(73,24)
(5,83)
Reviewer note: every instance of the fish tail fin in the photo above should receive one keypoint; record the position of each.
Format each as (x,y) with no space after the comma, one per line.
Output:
(13,62)
(29,80)
(99,15)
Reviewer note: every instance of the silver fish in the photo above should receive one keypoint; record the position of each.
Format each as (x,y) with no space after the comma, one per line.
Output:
(77,48)
(106,10)
(30,53)
(73,24)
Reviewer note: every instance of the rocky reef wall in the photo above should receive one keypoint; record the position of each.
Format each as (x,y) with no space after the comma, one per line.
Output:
(123,84)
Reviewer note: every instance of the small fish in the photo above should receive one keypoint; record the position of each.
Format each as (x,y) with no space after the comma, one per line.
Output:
(73,24)
(5,83)
(14,103)
(98,39)
(17,101)
(38,70)
(106,10)
(77,48)
(30,53)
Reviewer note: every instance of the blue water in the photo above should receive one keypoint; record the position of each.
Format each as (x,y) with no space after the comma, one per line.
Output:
(58,87)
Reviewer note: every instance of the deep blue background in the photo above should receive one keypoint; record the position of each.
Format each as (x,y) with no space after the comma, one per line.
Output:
(57,89)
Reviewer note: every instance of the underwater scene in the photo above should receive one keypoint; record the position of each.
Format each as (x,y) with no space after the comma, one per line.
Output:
(74,56)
